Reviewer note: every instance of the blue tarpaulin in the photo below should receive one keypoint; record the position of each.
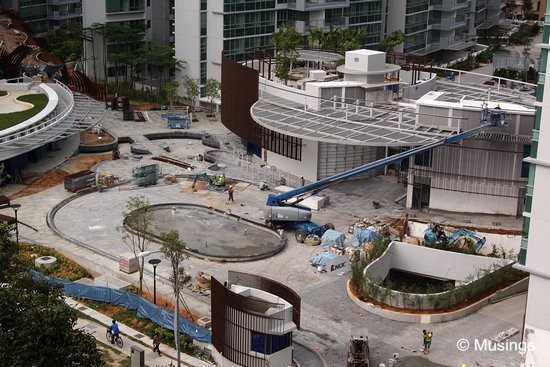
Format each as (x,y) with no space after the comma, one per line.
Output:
(322,258)
(145,309)
(332,238)
(362,235)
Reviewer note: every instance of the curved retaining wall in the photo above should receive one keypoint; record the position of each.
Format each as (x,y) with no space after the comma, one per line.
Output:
(472,275)
(432,318)
(221,213)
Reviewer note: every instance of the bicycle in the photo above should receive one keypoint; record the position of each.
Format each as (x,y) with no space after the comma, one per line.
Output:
(118,339)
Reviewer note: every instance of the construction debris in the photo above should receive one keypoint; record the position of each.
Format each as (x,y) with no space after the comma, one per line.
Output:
(79,181)
(174,161)
(201,284)
(505,335)
(107,180)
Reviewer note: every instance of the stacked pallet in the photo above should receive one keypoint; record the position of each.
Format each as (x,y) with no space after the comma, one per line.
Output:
(146,175)
(79,181)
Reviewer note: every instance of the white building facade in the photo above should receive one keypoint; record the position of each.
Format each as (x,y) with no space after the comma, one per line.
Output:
(535,251)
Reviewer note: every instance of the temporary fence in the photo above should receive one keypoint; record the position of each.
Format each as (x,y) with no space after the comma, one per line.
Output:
(145,309)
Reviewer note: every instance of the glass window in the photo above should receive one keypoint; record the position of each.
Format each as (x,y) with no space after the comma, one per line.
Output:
(117,6)
(415,6)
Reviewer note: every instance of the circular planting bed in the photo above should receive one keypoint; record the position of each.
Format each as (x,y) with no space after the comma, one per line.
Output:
(96,141)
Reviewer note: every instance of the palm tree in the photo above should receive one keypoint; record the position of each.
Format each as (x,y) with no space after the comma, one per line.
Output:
(316,35)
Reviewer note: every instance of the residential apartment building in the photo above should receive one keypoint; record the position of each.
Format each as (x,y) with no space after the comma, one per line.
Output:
(535,250)
(203,29)
(156,18)
(45,15)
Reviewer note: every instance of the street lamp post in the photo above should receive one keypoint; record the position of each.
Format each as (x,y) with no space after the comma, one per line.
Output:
(15,208)
(154,262)
(177,311)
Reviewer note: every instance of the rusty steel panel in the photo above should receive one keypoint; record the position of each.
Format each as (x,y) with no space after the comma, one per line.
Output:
(270,286)
(239,91)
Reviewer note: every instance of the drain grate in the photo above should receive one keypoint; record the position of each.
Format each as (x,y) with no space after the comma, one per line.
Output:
(139,336)
(83,308)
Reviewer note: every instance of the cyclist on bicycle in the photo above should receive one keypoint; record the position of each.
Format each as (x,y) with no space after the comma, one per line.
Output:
(115,331)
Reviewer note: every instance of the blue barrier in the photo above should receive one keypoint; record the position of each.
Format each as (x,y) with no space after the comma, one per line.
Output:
(145,309)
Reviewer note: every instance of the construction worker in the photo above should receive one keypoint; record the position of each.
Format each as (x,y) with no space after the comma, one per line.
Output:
(230,192)
(427,336)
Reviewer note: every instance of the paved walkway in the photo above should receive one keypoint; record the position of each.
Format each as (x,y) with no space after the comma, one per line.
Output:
(89,236)
(97,326)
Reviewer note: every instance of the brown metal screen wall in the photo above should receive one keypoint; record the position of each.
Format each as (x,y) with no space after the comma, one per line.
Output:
(233,318)
(239,91)
(270,286)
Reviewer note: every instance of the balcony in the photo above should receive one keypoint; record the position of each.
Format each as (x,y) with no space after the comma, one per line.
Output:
(304,27)
(62,15)
(491,22)
(432,47)
(457,43)
(449,5)
(447,24)
(63,2)
(308,5)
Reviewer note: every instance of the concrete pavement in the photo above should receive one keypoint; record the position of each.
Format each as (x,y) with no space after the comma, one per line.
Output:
(97,326)
(87,233)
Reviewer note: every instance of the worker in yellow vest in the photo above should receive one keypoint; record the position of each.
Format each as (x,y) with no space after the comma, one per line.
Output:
(427,335)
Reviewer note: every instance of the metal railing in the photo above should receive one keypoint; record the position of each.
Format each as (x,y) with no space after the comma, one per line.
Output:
(498,81)
(39,127)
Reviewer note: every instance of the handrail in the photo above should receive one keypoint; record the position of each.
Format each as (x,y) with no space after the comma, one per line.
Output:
(40,126)
(485,76)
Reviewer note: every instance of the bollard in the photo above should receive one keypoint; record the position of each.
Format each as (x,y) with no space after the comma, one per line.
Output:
(137,356)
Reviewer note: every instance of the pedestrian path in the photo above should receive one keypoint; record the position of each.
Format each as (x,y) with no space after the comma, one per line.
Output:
(97,326)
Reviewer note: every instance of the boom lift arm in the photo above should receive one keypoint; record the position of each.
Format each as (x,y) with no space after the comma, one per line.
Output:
(279,209)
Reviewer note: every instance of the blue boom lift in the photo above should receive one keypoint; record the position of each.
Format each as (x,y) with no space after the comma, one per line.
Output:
(280,212)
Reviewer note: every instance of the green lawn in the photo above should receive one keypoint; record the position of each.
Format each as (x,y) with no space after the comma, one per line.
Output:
(10,119)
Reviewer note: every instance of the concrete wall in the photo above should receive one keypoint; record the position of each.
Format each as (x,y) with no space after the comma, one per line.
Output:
(536,318)
(434,263)
(280,90)
(187,38)
(307,167)
(215,39)
(435,317)
(425,83)
(397,19)
(438,264)
(93,11)
(472,203)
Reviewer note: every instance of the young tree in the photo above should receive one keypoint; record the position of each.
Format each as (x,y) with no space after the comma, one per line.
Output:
(28,305)
(4,177)
(174,249)
(390,42)
(351,39)
(66,42)
(192,88)
(212,91)
(8,252)
(138,222)
(286,40)
(171,90)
